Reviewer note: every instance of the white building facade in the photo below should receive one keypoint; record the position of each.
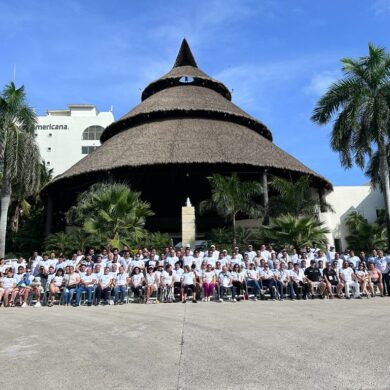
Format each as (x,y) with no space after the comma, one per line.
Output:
(66,136)
(345,199)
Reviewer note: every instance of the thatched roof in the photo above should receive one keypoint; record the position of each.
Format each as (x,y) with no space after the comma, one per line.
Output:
(187,140)
(190,120)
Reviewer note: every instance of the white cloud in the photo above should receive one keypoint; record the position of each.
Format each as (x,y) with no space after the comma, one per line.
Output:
(320,82)
(381,6)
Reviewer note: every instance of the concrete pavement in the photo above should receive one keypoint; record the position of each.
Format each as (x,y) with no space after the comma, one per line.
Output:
(247,345)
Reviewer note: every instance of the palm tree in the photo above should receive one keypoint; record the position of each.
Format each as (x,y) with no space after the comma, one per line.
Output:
(295,198)
(372,170)
(112,213)
(231,196)
(295,232)
(364,235)
(19,153)
(359,102)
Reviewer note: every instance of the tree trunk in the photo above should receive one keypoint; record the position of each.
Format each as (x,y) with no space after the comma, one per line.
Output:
(234,229)
(384,175)
(264,183)
(5,202)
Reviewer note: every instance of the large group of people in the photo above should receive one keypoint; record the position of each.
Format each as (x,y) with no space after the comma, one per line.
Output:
(180,274)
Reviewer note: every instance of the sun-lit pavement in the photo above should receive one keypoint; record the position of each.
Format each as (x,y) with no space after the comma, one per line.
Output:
(246,345)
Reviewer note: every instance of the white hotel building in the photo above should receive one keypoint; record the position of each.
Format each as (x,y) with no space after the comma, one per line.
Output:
(66,136)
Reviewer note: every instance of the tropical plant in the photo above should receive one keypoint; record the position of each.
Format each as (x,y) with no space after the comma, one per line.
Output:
(364,235)
(156,240)
(295,198)
(230,196)
(359,102)
(294,232)
(19,153)
(225,237)
(60,241)
(111,213)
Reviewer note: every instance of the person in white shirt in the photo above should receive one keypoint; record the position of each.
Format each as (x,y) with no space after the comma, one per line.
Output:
(188,280)
(362,279)
(238,281)
(177,274)
(56,286)
(252,280)
(348,279)
(383,265)
(355,260)
(209,277)
(167,281)
(210,259)
(87,284)
(151,283)
(188,259)
(35,259)
(121,281)
(264,253)
(331,254)
(103,288)
(214,252)
(137,262)
(237,253)
(226,283)
(282,279)
(294,257)
(137,280)
(8,285)
(250,252)
(268,280)
(172,258)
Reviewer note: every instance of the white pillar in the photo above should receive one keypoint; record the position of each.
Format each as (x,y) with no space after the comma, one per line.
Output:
(188,226)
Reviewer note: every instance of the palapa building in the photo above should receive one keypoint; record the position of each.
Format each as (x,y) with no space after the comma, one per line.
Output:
(185,129)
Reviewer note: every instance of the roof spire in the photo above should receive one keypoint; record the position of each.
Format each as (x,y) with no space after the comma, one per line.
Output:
(185,57)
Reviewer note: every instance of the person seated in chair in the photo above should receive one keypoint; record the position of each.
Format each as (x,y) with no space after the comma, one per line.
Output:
(87,283)
(268,280)
(348,279)
(314,279)
(331,279)
(226,282)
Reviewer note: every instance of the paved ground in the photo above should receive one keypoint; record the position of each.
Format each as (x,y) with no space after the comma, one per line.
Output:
(246,345)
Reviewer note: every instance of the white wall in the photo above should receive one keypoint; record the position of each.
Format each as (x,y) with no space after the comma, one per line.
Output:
(66,143)
(345,199)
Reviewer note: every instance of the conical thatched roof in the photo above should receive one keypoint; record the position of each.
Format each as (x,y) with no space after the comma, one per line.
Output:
(187,117)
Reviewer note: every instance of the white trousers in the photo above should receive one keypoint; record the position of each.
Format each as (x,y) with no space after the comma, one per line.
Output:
(355,286)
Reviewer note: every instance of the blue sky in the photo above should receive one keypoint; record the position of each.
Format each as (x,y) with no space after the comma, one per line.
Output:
(278,56)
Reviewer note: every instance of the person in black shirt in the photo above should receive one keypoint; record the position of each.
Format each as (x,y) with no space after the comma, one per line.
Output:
(314,278)
(330,279)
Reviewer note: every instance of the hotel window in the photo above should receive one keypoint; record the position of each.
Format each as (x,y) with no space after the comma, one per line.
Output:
(88,149)
(92,133)
(49,149)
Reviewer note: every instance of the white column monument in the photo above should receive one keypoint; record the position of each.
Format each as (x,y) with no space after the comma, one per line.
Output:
(188,225)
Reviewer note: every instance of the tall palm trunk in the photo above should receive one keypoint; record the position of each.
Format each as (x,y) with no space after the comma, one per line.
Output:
(384,175)
(5,196)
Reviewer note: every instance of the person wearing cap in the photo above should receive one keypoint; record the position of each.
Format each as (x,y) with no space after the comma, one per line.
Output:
(314,279)
(214,251)
(250,252)
(8,285)
(210,259)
